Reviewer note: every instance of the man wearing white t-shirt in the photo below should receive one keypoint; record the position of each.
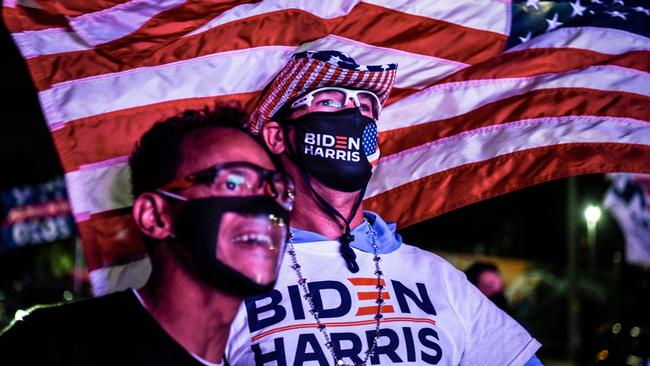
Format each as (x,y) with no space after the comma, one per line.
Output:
(349,292)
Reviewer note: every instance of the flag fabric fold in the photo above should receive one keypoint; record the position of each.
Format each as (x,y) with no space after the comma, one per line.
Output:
(489,97)
(628,200)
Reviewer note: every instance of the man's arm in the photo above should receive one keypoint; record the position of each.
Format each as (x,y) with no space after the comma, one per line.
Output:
(492,337)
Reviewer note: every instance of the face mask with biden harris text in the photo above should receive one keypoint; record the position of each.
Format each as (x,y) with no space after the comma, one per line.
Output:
(336,148)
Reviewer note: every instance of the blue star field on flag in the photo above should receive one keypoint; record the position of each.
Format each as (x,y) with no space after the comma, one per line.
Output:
(531,18)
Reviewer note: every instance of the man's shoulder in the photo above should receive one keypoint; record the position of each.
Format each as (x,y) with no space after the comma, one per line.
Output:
(408,252)
(75,315)
(105,305)
(115,326)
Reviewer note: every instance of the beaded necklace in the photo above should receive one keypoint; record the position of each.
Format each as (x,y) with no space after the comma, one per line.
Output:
(302,281)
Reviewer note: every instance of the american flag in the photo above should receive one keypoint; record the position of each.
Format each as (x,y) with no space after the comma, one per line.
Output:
(490,96)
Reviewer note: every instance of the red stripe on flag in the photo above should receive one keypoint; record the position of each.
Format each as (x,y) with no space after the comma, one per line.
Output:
(544,61)
(22,18)
(167,26)
(422,33)
(398,94)
(74,8)
(535,104)
(111,238)
(78,145)
(412,202)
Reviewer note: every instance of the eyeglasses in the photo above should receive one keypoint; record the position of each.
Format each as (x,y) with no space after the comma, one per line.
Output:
(336,98)
(238,179)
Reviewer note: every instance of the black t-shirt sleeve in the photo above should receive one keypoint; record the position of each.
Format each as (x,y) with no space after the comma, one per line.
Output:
(22,344)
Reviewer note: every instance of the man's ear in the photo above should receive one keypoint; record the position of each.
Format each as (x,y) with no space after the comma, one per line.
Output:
(273,135)
(151,214)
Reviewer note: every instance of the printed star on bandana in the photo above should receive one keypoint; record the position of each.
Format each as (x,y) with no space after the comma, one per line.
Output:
(335,59)
(619,2)
(640,9)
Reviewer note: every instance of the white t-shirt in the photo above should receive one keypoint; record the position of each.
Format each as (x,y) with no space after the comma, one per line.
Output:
(432,315)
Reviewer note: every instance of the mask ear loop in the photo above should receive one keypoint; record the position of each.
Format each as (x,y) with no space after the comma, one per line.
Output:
(346,252)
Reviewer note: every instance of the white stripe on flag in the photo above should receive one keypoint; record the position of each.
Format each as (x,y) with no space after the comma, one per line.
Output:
(490,15)
(212,75)
(454,99)
(489,142)
(120,20)
(414,71)
(604,40)
(48,42)
(95,190)
(107,280)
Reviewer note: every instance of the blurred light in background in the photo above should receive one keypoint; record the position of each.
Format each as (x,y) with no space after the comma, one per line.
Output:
(68,295)
(592,215)
(21,314)
(602,355)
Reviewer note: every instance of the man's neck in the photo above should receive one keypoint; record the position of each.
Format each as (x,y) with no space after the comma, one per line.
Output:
(309,214)
(196,315)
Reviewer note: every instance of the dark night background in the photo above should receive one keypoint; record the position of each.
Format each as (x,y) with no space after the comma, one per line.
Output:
(530,224)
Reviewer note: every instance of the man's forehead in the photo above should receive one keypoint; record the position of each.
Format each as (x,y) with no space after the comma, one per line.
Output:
(212,145)
(331,88)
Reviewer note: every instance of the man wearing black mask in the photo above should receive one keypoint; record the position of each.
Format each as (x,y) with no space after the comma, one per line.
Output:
(214,214)
(349,292)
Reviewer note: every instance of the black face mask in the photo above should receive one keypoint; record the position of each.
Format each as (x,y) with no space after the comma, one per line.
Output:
(197,228)
(333,147)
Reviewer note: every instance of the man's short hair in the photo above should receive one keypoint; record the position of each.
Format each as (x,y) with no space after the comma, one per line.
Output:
(157,155)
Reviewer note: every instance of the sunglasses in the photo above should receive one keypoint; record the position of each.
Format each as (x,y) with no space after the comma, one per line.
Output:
(336,98)
(237,179)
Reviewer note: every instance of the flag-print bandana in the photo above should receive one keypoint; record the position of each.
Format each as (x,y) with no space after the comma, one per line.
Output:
(309,70)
